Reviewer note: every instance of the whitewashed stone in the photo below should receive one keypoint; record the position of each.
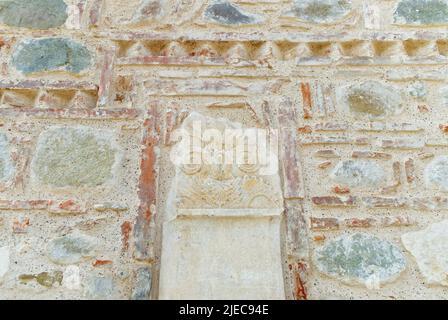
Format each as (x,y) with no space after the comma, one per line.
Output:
(430,249)
(358,173)
(221,235)
(71,278)
(436,174)
(360,259)
(4,261)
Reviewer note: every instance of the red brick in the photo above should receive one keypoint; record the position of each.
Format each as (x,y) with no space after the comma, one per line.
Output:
(307,100)
(126,229)
(296,230)
(341,190)
(101,263)
(330,201)
(20,226)
(319,238)
(324,224)
(291,163)
(397,222)
(402,144)
(95,13)
(300,271)
(325,165)
(106,77)
(331,126)
(305,129)
(211,87)
(317,140)
(184,61)
(371,155)
(147,192)
(429,203)
(72,113)
(47,84)
(410,170)
(444,128)
(359,223)
(68,206)
(25,204)
(396,168)
(328,154)
(382,202)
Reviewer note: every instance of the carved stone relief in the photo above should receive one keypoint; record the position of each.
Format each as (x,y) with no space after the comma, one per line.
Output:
(221,235)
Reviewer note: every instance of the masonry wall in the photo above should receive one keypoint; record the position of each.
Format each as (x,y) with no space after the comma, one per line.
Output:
(92,91)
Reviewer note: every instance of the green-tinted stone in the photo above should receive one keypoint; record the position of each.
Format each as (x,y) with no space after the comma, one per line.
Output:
(360,259)
(49,279)
(34,14)
(422,12)
(224,12)
(25,278)
(6,165)
(71,248)
(46,279)
(373,99)
(74,157)
(359,173)
(51,54)
(321,11)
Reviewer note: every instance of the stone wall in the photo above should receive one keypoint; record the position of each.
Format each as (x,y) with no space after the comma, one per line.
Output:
(93,91)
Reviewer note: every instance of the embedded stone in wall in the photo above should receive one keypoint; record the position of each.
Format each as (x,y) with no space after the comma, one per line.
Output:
(74,157)
(421,12)
(72,248)
(142,287)
(436,174)
(36,14)
(6,166)
(71,278)
(221,234)
(360,259)
(46,279)
(51,54)
(4,261)
(430,249)
(418,90)
(148,10)
(321,11)
(224,12)
(358,173)
(101,288)
(373,99)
